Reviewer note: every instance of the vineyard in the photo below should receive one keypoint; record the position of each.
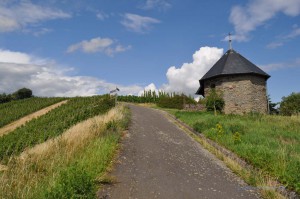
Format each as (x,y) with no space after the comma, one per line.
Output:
(64,153)
(14,110)
(52,124)
(162,99)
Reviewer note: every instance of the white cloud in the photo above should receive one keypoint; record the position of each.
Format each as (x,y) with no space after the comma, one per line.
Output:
(160,4)
(137,23)
(102,16)
(274,45)
(295,33)
(16,16)
(7,56)
(247,18)
(284,39)
(105,45)
(150,87)
(186,78)
(46,78)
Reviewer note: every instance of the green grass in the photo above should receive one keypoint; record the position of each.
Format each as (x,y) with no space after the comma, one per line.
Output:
(63,173)
(78,179)
(14,110)
(270,143)
(52,124)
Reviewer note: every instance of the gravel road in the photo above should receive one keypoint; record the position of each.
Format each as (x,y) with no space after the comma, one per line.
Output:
(159,160)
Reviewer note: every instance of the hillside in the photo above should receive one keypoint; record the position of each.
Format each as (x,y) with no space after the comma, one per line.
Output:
(63,152)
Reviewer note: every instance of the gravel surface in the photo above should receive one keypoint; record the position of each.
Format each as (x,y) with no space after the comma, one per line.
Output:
(159,160)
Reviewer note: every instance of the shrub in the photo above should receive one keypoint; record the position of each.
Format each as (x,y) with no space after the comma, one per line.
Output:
(290,105)
(214,101)
(176,101)
(5,98)
(22,93)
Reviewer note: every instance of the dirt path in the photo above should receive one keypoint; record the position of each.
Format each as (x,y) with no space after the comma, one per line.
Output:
(12,126)
(159,160)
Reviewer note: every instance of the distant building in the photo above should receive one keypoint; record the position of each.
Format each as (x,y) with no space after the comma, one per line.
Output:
(242,84)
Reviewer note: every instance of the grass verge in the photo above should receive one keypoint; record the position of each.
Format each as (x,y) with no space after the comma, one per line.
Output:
(67,166)
(269,143)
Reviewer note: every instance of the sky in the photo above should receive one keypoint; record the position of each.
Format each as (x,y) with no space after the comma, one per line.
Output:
(82,48)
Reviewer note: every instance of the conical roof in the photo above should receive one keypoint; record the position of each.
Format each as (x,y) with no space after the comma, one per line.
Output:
(231,63)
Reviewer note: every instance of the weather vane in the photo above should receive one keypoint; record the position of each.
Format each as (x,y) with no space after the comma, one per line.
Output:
(229,39)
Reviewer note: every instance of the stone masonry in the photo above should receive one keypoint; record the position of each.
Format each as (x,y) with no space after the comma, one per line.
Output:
(241,93)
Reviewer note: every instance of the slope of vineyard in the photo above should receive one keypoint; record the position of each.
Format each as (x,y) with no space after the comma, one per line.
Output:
(22,121)
(14,110)
(68,166)
(52,124)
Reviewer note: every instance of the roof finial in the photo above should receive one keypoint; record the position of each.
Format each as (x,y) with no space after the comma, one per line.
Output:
(229,39)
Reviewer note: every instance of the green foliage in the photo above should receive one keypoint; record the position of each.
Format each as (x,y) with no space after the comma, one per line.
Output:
(270,143)
(22,93)
(214,101)
(112,126)
(5,98)
(53,124)
(73,182)
(161,98)
(14,110)
(176,101)
(237,138)
(290,105)
(272,107)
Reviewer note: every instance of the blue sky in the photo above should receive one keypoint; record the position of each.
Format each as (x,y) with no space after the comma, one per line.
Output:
(79,47)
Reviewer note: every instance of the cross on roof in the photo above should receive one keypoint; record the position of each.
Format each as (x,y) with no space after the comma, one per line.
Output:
(230,41)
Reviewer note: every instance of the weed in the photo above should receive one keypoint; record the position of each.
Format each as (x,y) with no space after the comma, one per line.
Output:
(270,143)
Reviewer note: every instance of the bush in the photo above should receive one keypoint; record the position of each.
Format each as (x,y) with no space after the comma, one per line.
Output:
(5,98)
(290,105)
(214,101)
(23,93)
(176,101)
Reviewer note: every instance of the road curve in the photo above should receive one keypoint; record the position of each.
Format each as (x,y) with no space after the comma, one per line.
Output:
(159,160)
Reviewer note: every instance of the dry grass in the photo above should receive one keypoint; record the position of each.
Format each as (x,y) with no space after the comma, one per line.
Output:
(25,173)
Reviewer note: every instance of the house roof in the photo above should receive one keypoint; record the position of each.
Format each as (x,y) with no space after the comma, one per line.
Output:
(231,63)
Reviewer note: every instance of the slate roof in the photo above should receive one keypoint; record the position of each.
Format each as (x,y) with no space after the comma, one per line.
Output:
(231,63)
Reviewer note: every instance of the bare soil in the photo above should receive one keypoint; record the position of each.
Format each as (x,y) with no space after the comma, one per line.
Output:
(12,126)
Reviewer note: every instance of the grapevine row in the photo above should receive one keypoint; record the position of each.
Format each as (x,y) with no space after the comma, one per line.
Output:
(52,124)
(14,110)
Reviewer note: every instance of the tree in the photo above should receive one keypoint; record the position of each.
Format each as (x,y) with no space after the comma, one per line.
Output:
(290,105)
(23,93)
(5,98)
(272,106)
(214,101)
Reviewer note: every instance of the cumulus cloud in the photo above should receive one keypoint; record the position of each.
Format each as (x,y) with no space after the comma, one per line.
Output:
(150,87)
(247,18)
(46,78)
(14,16)
(137,23)
(152,4)
(105,45)
(186,78)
